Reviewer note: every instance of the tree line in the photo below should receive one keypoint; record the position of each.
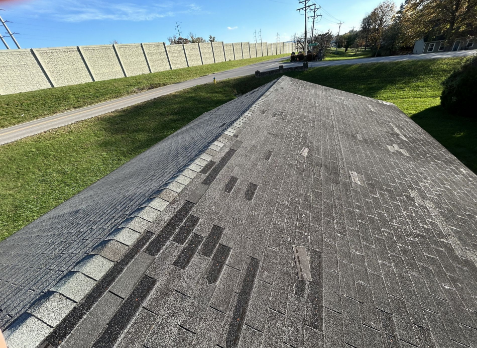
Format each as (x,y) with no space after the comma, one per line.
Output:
(390,30)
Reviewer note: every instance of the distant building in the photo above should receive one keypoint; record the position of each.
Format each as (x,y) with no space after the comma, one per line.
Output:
(467,43)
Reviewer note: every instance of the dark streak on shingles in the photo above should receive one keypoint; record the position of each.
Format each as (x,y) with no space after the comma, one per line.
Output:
(188,252)
(166,233)
(240,310)
(212,240)
(218,262)
(250,192)
(229,186)
(66,326)
(186,229)
(268,155)
(207,167)
(315,296)
(125,313)
(218,167)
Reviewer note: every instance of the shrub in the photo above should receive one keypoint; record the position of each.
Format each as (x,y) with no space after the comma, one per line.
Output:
(460,89)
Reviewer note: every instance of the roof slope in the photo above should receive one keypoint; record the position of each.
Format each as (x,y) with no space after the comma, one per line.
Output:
(329,219)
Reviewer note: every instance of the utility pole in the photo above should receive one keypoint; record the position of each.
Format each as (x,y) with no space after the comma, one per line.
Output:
(305,8)
(255,35)
(9,32)
(278,38)
(339,28)
(260,34)
(314,17)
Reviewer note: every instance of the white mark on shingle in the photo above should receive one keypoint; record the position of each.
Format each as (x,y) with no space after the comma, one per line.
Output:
(302,263)
(398,132)
(304,152)
(355,178)
(359,136)
(391,148)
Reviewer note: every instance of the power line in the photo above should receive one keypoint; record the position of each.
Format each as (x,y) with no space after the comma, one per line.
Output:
(329,14)
(314,17)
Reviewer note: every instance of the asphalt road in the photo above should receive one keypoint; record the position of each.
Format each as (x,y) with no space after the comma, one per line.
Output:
(11,134)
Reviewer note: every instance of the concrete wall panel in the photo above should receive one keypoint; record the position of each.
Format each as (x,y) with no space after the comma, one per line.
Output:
(63,65)
(229,51)
(133,59)
(238,50)
(193,54)
(156,56)
(264,49)
(207,53)
(253,50)
(246,50)
(269,49)
(176,56)
(259,50)
(102,61)
(20,72)
(274,49)
(218,48)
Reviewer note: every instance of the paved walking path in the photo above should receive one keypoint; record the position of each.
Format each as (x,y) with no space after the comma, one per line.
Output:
(11,134)
(320,218)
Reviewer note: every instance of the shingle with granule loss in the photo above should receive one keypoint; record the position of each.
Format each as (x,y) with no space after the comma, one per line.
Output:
(388,235)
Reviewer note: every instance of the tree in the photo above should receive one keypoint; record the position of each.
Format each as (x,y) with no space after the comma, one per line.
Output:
(211,38)
(381,18)
(365,32)
(196,39)
(348,39)
(451,18)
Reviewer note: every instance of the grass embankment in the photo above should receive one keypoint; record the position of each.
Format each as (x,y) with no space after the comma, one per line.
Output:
(40,172)
(24,107)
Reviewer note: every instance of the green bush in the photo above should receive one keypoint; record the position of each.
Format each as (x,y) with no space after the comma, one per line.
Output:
(460,89)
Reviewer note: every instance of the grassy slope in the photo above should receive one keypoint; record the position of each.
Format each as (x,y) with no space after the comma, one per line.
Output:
(40,172)
(23,107)
(340,54)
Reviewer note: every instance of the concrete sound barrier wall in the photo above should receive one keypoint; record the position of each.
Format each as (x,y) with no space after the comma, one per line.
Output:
(133,59)
(207,53)
(193,54)
(253,50)
(238,50)
(176,56)
(63,65)
(269,49)
(20,72)
(229,51)
(274,48)
(156,56)
(29,70)
(218,48)
(102,62)
(245,50)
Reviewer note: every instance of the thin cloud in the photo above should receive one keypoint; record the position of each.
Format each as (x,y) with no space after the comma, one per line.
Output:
(232,28)
(91,10)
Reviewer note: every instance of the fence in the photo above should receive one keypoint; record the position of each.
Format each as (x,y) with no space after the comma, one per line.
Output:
(26,70)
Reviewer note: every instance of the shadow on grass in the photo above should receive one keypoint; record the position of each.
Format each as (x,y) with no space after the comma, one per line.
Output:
(457,134)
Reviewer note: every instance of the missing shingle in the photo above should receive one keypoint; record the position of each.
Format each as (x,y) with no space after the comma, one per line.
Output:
(302,263)
(250,192)
(212,240)
(355,178)
(188,252)
(229,186)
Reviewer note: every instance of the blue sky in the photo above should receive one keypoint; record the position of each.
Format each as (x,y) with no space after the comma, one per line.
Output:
(53,23)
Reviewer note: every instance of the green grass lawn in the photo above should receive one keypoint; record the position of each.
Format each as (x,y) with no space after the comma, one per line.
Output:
(23,107)
(42,171)
(340,54)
